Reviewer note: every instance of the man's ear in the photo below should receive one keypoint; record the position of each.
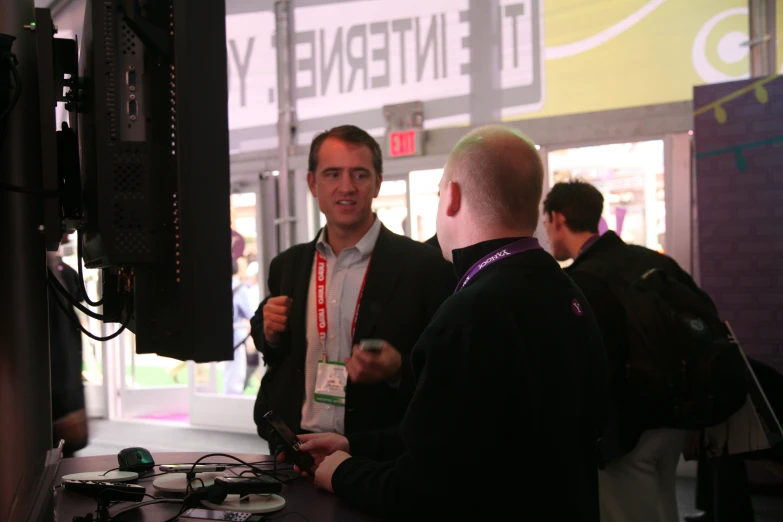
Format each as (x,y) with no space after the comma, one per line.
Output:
(378,188)
(559,220)
(311,183)
(453,198)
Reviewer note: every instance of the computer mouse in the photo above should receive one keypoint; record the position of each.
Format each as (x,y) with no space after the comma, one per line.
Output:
(135,459)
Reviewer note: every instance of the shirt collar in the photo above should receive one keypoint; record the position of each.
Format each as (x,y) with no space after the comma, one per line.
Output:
(465,258)
(587,244)
(365,245)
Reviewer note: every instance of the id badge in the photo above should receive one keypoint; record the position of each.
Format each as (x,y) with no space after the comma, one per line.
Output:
(330,381)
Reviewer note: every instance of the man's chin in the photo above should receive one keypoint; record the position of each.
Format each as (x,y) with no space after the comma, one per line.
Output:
(348,220)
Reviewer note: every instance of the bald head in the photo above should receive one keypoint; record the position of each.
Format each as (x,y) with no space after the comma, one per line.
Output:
(501,176)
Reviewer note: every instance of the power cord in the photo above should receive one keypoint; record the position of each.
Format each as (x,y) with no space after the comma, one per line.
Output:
(79,257)
(157,500)
(72,300)
(128,311)
(256,470)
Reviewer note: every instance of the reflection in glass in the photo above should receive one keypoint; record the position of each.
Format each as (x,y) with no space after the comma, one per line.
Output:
(424,202)
(243,374)
(391,205)
(630,177)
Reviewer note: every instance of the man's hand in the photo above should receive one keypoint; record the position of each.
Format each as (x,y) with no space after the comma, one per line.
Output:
(320,446)
(276,312)
(371,366)
(324,473)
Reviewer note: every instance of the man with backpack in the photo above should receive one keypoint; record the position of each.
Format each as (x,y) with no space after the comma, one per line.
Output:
(672,365)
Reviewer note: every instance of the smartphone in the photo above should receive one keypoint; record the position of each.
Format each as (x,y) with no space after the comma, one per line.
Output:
(291,442)
(186,468)
(371,344)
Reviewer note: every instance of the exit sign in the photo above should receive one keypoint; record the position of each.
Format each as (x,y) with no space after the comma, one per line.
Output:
(402,143)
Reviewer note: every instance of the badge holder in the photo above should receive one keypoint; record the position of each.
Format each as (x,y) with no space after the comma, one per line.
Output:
(331,379)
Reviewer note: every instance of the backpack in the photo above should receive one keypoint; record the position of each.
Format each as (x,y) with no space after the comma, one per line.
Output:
(683,369)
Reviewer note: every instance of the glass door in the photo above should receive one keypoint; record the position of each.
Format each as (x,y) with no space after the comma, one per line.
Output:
(92,352)
(424,202)
(151,387)
(222,394)
(631,178)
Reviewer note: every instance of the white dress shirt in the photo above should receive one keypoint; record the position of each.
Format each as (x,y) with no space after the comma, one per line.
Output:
(344,276)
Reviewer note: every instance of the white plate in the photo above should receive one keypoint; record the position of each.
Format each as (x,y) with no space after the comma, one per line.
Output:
(253,504)
(178,482)
(102,476)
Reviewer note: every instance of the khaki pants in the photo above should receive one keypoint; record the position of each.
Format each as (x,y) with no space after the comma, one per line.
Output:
(641,486)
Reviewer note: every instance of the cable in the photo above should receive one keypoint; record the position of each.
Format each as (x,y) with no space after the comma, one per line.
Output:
(115,469)
(125,509)
(190,482)
(260,471)
(92,335)
(72,300)
(143,477)
(79,258)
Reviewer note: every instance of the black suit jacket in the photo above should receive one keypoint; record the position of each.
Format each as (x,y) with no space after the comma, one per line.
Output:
(508,406)
(406,284)
(609,248)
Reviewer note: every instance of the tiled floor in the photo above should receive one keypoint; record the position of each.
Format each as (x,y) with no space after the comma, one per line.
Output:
(109,437)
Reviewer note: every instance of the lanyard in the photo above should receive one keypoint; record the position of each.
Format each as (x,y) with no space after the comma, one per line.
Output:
(320,301)
(517,247)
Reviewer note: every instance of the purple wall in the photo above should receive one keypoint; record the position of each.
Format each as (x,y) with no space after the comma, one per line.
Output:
(738,135)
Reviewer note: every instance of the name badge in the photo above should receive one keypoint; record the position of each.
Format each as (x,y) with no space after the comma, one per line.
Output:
(331,379)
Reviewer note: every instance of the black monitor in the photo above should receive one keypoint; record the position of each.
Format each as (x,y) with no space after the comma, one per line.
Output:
(142,173)
(152,129)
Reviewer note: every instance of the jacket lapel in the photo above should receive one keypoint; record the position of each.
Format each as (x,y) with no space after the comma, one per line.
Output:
(299,287)
(381,280)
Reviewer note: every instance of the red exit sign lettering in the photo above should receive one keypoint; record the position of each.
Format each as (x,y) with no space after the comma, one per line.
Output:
(402,143)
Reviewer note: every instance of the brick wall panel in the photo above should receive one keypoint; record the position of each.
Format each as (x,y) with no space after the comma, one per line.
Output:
(740,214)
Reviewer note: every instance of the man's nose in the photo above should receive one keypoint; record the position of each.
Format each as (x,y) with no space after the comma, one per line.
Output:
(346,182)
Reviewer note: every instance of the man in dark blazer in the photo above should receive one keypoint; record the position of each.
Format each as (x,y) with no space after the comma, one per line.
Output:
(355,281)
(512,363)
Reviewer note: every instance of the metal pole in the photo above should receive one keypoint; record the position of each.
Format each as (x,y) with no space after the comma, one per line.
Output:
(285,103)
(762,37)
(25,385)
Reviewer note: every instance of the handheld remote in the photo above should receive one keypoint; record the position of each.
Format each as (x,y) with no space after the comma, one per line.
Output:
(107,491)
(242,486)
(291,442)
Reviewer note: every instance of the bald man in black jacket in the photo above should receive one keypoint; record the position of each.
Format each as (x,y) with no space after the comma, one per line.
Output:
(512,363)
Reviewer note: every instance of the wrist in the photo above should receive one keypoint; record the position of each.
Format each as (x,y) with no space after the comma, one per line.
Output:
(393,379)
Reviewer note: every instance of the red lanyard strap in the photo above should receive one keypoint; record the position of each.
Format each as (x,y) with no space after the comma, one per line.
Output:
(320,299)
